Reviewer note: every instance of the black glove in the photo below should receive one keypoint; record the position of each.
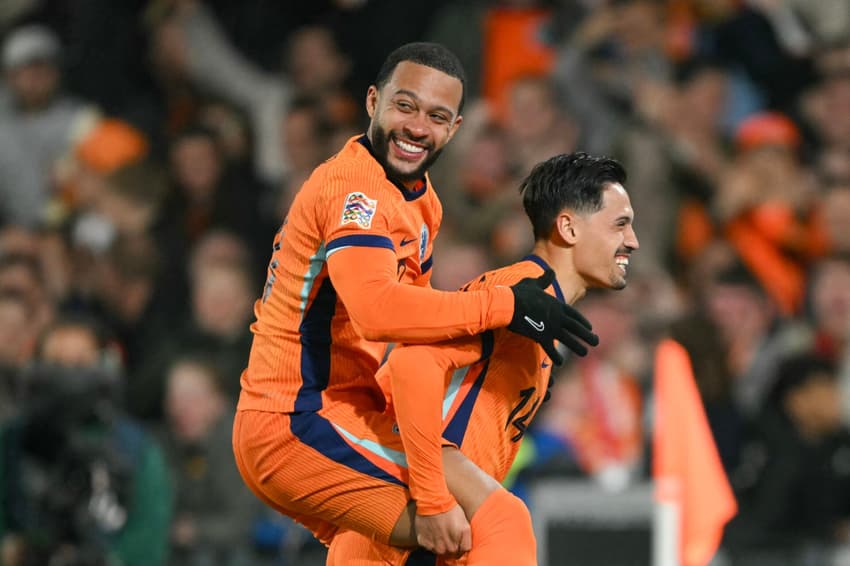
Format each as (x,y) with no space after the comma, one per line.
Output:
(544,319)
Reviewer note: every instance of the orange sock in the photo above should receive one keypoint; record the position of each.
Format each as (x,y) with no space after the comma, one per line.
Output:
(502,533)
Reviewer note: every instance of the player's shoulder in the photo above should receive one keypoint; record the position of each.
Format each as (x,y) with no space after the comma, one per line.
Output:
(508,275)
(354,167)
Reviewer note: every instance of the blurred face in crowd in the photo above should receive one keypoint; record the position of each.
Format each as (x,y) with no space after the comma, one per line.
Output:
(71,346)
(16,334)
(531,111)
(196,166)
(314,63)
(639,25)
(460,263)
(305,146)
(413,117)
(815,406)
(742,312)
(703,98)
(193,403)
(831,298)
(829,107)
(33,84)
(222,299)
(603,240)
(836,215)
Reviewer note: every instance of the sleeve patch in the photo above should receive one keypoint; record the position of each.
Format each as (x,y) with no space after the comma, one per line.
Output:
(359,209)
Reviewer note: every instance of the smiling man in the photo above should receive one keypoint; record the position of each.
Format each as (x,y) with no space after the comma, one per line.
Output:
(481,393)
(349,272)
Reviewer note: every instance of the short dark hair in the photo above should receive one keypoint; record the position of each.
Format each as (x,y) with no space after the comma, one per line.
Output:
(575,181)
(797,371)
(431,55)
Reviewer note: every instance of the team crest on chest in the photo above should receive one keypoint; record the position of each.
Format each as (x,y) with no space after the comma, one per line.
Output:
(358,209)
(423,242)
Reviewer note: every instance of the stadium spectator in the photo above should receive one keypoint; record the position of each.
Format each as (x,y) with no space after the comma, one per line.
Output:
(792,483)
(213,510)
(37,124)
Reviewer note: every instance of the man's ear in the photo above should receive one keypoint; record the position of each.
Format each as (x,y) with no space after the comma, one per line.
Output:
(567,225)
(371,100)
(453,128)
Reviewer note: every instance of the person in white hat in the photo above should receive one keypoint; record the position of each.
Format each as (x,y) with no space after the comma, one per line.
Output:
(37,122)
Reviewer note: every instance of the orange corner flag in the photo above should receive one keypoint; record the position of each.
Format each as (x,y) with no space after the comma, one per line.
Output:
(686,467)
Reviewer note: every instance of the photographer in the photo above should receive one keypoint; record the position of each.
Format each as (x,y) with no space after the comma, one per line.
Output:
(82,484)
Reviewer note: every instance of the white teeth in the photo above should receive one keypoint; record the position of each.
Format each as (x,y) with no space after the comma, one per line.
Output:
(409,147)
(622,261)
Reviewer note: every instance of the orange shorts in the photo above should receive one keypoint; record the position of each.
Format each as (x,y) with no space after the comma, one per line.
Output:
(336,468)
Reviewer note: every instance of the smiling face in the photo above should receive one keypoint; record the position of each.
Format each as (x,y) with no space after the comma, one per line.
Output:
(604,240)
(413,116)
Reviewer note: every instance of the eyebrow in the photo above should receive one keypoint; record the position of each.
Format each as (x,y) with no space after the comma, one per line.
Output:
(413,95)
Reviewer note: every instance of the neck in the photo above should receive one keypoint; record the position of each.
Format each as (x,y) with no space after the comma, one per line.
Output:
(559,259)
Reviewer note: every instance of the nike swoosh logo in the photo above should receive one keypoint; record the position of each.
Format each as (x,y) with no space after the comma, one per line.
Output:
(544,365)
(538,326)
(405,242)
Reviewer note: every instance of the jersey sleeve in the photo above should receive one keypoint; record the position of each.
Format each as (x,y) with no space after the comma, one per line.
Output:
(363,272)
(417,378)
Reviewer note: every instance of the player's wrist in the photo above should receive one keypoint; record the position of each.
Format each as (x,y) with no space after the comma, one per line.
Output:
(430,508)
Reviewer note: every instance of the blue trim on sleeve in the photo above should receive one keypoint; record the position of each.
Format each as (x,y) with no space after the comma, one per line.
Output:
(359,240)
(426,265)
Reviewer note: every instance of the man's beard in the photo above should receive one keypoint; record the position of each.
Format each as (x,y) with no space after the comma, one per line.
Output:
(381,148)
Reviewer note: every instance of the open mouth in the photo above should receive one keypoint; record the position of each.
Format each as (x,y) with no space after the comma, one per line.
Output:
(622,262)
(407,150)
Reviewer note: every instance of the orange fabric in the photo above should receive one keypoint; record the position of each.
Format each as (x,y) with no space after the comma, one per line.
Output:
(782,277)
(352,238)
(502,393)
(686,466)
(514,47)
(502,533)
(307,484)
(110,145)
(417,399)
(695,230)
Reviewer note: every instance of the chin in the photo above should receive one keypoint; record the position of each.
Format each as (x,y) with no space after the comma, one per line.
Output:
(618,283)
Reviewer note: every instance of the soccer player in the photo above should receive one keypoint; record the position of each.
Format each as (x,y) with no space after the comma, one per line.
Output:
(349,272)
(480,393)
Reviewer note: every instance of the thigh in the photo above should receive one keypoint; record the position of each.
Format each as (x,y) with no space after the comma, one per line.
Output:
(324,473)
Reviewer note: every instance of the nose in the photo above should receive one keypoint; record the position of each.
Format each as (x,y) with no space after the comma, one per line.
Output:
(631,239)
(416,127)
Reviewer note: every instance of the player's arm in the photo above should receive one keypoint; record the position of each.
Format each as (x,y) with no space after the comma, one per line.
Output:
(417,378)
(383,309)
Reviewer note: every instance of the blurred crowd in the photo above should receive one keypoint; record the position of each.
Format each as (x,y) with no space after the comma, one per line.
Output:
(149,150)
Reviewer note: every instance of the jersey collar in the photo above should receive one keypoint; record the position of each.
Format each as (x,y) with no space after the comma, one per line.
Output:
(539,261)
(409,194)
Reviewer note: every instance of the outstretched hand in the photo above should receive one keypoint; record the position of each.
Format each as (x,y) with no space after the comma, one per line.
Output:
(446,533)
(544,319)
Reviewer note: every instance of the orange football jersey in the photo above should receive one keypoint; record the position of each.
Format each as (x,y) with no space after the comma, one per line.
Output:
(349,271)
